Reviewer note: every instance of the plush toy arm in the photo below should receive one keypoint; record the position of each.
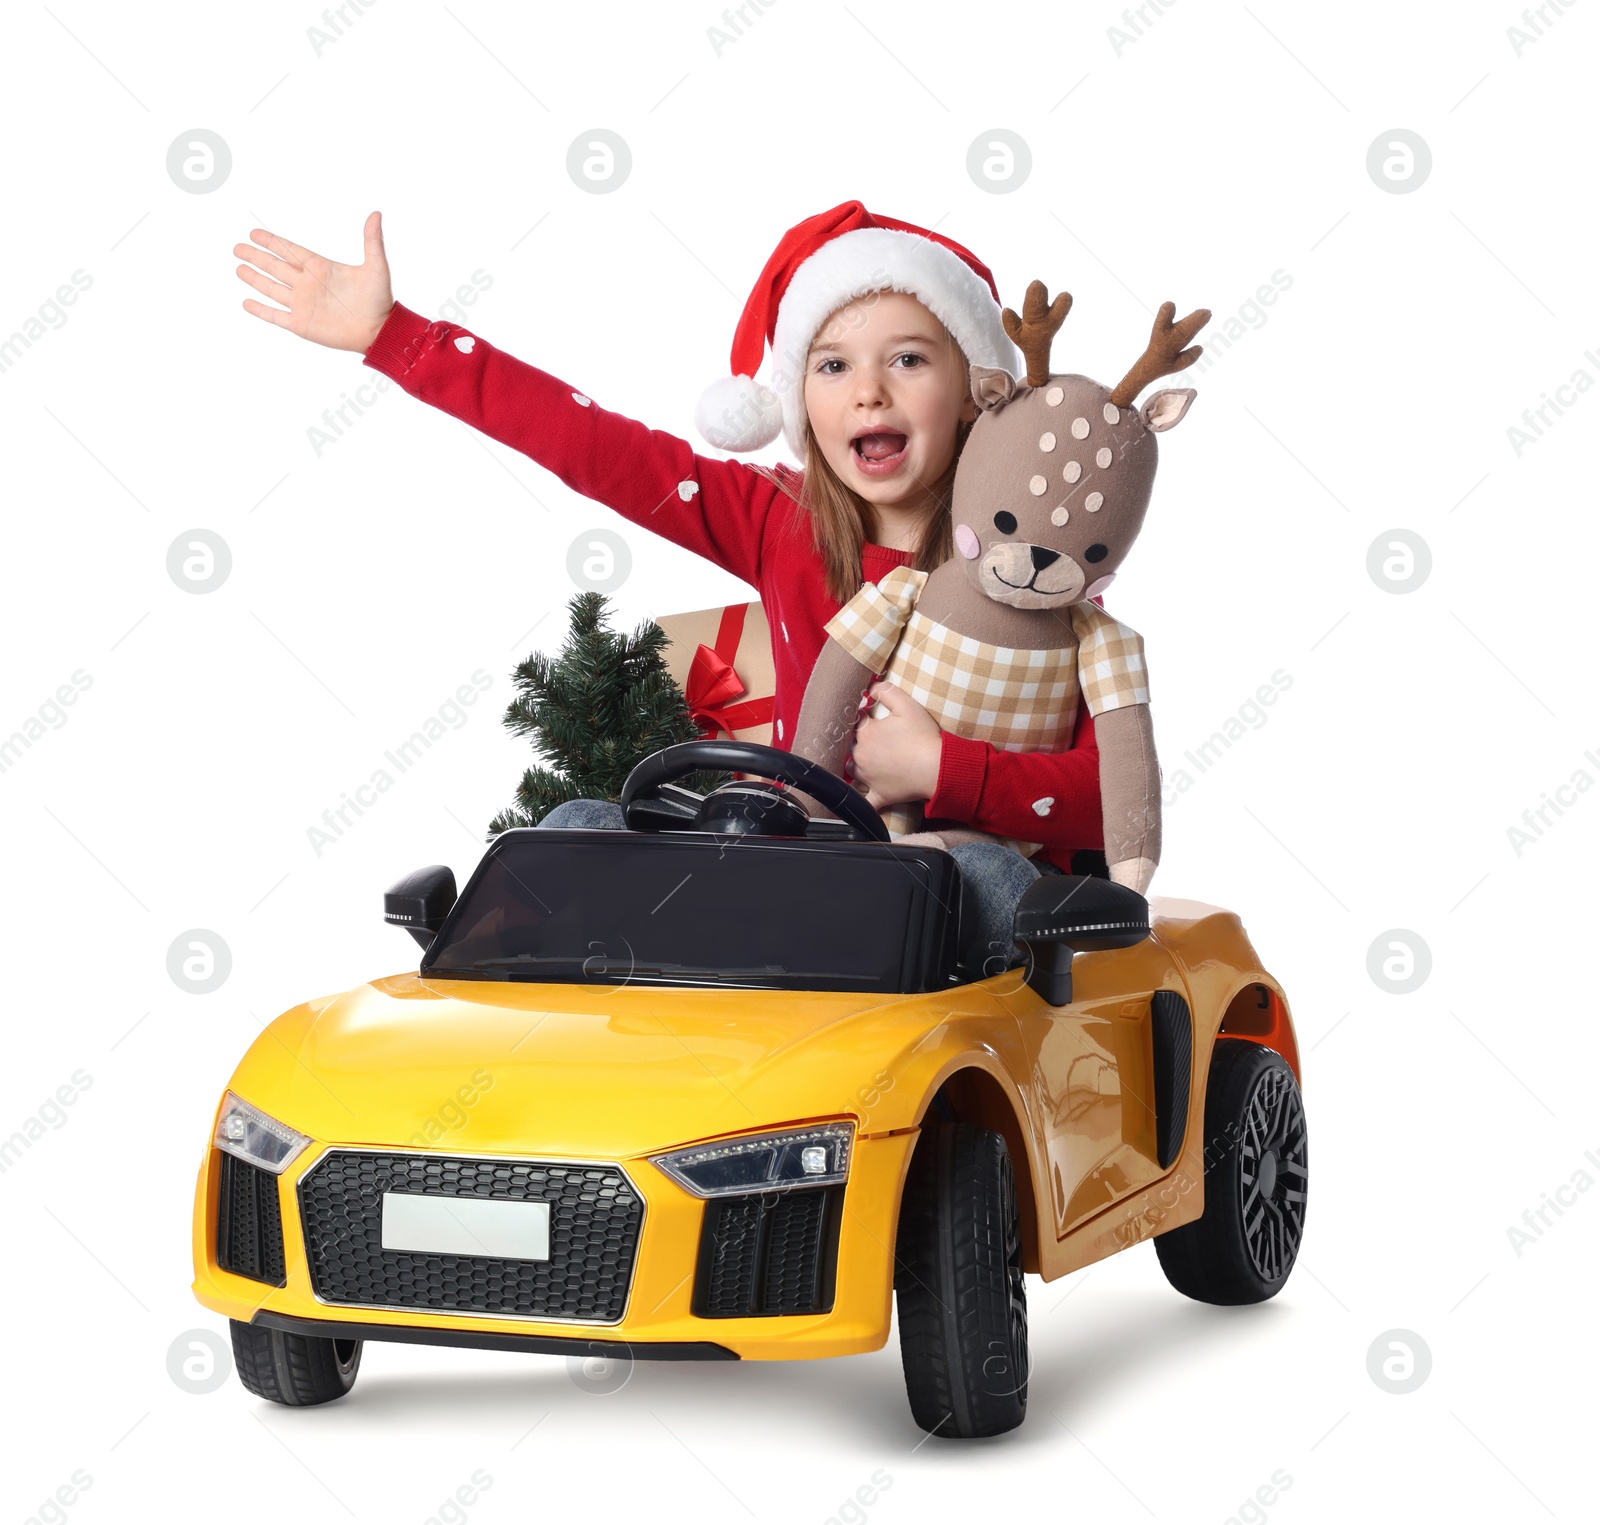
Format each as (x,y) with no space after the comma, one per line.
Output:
(1130,793)
(828,713)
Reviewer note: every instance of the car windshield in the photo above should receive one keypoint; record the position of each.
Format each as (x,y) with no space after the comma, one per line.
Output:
(695,909)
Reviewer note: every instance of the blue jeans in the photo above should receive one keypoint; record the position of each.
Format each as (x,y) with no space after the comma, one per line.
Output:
(586,815)
(993,878)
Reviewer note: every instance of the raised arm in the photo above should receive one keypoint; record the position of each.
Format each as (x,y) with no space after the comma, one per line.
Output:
(717,509)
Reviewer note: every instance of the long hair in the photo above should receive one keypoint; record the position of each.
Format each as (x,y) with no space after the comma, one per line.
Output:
(842,519)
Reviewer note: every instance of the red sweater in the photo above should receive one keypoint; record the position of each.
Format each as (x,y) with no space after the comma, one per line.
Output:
(734,516)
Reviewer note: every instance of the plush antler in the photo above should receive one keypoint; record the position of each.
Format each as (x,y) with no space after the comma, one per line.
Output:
(1033,331)
(1165,352)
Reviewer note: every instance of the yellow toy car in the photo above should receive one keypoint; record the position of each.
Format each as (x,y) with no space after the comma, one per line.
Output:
(714,1087)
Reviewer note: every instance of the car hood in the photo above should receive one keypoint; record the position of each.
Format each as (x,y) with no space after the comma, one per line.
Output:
(491,1066)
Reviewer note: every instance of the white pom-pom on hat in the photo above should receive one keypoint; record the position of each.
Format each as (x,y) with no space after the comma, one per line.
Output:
(737,414)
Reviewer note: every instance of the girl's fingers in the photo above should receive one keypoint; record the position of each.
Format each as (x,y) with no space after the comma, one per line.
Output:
(268,288)
(270,263)
(282,247)
(271,314)
(372,239)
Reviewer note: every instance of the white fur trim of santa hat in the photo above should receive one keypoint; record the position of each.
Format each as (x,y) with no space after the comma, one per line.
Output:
(740,414)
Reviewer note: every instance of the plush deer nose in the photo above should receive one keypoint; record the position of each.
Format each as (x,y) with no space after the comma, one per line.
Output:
(1042,556)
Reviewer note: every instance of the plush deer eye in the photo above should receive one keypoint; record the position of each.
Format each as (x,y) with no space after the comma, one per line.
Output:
(1005,523)
(1096,552)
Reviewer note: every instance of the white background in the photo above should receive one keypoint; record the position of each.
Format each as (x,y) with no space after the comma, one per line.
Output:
(1193,161)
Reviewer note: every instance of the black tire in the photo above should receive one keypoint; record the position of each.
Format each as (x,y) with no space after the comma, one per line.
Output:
(958,1279)
(296,1369)
(1243,1246)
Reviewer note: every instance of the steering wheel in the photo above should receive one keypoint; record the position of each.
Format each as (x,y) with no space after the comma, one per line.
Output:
(659,771)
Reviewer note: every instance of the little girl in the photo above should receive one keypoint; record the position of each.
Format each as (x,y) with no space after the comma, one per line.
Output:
(872,324)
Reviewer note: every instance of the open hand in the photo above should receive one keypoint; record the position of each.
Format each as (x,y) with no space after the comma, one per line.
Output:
(897,755)
(341,306)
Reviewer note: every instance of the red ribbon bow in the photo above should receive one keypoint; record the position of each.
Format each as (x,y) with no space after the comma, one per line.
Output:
(713,682)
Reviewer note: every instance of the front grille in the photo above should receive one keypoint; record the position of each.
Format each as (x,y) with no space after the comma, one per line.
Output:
(769,1253)
(249,1224)
(595,1217)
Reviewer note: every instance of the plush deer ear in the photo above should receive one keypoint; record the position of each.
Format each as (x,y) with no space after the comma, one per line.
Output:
(1166,408)
(992,389)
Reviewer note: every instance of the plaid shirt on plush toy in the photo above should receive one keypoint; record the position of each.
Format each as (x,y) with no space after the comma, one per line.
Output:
(1020,700)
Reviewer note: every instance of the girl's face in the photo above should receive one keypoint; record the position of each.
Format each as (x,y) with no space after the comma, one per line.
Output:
(885,387)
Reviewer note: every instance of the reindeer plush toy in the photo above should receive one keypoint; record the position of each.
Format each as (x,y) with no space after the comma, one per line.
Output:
(1002,642)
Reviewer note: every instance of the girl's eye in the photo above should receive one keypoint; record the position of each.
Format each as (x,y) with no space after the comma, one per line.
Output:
(825,367)
(913,360)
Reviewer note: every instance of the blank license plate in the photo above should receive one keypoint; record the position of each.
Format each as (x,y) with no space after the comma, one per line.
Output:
(466,1226)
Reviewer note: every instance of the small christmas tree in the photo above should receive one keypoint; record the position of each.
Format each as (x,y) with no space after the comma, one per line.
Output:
(593,712)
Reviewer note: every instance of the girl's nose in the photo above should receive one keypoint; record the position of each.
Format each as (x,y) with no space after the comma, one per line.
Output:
(872,388)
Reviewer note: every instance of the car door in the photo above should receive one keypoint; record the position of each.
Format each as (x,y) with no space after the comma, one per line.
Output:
(1094,1078)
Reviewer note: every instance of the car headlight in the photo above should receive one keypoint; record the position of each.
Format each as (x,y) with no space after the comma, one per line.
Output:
(816,1156)
(248,1133)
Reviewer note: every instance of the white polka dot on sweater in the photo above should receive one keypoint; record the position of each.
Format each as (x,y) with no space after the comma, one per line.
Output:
(687,490)
(465,343)
(580,399)
(1042,807)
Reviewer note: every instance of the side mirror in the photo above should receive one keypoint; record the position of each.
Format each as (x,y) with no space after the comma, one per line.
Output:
(1063,914)
(421,901)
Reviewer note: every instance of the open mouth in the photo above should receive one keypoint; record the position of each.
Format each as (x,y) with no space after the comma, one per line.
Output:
(880,452)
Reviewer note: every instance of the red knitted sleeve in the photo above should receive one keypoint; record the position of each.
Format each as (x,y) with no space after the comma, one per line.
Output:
(1048,797)
(717,509)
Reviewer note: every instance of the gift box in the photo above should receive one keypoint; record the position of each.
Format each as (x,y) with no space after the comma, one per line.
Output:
(722,660)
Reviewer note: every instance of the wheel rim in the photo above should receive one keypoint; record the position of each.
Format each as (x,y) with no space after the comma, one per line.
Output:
(1272,1174)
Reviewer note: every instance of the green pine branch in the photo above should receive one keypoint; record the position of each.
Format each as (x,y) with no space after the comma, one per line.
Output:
(593,711)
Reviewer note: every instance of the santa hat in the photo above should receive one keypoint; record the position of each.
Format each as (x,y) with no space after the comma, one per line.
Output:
(818,266)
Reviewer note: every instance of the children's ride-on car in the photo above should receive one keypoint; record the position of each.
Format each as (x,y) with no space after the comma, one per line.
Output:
(713,1086)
